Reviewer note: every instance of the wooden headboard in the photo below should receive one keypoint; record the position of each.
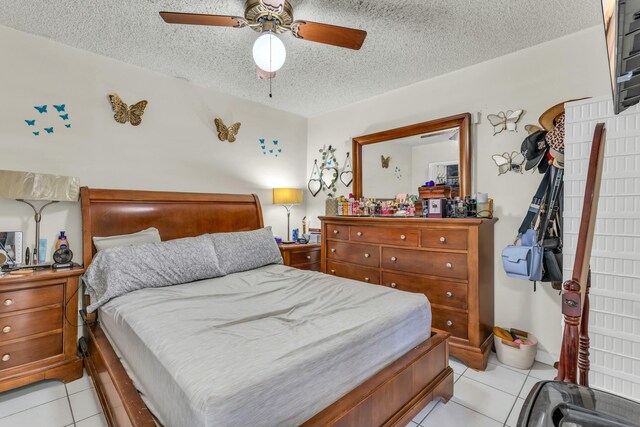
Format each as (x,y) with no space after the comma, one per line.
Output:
(175,215)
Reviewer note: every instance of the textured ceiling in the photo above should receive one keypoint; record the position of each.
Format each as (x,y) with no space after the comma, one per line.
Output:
(408,41)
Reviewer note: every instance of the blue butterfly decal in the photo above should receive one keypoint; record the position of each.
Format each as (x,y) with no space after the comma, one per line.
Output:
(275,142)
(36,133)
(64,116)
(49,130)
(272,149)
(42,109)
(30,122)
(59,108)
(68,125)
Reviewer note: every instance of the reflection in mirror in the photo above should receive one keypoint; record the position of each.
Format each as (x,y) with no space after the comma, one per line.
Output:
(412,161)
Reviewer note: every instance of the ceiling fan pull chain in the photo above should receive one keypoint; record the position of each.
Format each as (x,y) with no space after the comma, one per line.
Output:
(270,69)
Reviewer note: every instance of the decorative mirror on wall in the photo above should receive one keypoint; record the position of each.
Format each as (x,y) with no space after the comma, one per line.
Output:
(437,150)
(346,176)
(315,184)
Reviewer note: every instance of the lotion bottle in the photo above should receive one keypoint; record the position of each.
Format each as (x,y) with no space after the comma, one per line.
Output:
(62,242)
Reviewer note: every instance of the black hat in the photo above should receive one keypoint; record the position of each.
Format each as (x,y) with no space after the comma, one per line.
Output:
(534,148)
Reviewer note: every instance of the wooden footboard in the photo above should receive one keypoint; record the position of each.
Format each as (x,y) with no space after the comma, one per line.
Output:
(392,397)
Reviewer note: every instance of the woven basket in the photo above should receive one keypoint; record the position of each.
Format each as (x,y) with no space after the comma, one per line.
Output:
(517,355)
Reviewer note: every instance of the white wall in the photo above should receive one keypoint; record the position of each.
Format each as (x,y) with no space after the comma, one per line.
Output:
(386,183)
(175,148)
(532,79)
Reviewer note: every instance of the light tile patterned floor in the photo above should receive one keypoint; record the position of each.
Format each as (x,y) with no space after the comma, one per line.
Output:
(490,398)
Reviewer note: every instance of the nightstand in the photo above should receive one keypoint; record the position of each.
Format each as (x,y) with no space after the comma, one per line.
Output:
(38,327)
(304,257)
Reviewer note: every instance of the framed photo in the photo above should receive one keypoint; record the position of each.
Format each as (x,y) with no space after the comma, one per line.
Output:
(12,243)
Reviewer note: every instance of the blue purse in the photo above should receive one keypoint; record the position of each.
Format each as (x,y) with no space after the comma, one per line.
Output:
(524,261)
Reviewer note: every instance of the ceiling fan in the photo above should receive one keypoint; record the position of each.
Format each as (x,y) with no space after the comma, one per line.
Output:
(271,18)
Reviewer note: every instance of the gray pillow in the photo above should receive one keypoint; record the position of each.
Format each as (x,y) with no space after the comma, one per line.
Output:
(117,271)
(246,250)
(150,235)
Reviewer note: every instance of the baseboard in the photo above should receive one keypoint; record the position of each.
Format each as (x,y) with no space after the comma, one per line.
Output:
(547,358)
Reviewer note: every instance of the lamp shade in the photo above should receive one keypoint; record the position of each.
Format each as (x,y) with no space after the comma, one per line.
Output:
(287,196)
(38,186)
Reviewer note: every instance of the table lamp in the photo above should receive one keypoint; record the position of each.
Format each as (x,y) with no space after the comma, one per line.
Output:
(23,186)
(287,197)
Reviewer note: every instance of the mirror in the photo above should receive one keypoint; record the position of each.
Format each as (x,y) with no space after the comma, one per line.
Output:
(401,160)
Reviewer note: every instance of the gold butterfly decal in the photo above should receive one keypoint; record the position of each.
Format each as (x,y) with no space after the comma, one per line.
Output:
(124,113)
(227,133)
(385,161)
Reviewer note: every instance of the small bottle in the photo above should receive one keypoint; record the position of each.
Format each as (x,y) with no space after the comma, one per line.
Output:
(62,242)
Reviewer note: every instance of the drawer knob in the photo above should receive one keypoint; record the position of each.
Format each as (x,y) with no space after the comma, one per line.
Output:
(333,272)
(449,323)
(6,357)
(367,255)
(449,294)
(394,259)
(443,239)
(393,285)
(8,302)
(308,256)
(449,265)
(403,237)
(6,329)
(366,279)
(336,231)
(359,233)
(333,249)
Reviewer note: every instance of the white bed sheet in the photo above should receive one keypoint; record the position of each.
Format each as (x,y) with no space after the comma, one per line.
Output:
(267,347)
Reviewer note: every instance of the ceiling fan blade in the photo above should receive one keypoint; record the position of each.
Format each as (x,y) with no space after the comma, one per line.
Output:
(329,34)
(264,75)
(198,19)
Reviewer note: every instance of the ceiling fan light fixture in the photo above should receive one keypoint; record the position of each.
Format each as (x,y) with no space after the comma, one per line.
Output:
(269,52)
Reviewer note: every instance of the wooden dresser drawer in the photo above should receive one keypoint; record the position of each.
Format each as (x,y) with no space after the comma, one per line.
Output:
(28,351)
(355,272)
(444,239)
(451,321)
(340,232)
(384,235)
(31,298)
(25,324)
(441,292)
(358,254)
(304,257)
(450,265)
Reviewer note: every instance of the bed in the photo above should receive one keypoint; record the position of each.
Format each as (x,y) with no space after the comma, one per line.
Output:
(410,367)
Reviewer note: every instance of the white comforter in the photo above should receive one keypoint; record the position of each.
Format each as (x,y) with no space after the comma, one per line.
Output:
(267,347)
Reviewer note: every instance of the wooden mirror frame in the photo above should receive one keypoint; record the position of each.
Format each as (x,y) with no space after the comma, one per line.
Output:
(463,121)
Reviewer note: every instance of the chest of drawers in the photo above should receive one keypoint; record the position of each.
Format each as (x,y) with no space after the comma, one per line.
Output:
(448,260)
(38,328)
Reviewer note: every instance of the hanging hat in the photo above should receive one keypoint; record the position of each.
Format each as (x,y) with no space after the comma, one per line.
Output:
(555,140)
(548,118)
(534,149)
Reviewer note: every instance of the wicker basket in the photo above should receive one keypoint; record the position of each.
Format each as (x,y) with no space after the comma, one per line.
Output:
(331,207)
(517,355)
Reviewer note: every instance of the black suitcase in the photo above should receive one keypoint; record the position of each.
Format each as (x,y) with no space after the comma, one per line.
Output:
(554,404)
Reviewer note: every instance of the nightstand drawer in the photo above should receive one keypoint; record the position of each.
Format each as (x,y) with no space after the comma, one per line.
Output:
(23,352)
(31,298)
(25,324)
(304,257)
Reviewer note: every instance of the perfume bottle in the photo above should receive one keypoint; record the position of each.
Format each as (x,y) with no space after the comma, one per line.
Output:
(62,242)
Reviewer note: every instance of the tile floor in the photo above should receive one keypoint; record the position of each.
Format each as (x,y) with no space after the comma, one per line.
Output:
(490,398)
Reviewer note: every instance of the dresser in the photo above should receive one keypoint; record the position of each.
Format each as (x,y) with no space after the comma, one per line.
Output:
(38,328)
(448,260)
(304,257)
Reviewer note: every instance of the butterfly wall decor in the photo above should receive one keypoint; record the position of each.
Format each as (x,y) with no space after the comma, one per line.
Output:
(509,162)
(46,122)
(385,161)
(226,133)
(124,113)
(505,121)
(274,150)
